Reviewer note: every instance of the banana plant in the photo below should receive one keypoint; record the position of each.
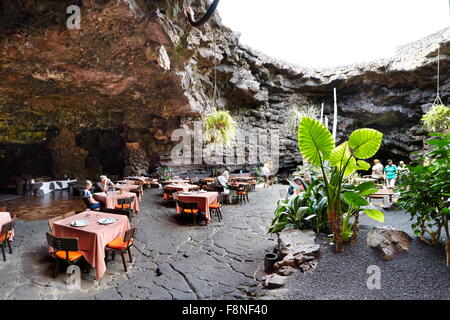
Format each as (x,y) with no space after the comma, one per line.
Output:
(317,145)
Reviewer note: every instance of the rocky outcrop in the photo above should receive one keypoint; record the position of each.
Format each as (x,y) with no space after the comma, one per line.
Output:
(139,68)
(388,241)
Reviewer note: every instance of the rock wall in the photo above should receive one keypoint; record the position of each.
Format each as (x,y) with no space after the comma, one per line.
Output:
(137,68)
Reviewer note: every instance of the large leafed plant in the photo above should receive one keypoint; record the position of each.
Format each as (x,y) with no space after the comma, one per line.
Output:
(317,145)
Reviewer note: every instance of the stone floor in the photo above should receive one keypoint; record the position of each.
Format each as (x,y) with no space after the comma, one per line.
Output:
(171,261)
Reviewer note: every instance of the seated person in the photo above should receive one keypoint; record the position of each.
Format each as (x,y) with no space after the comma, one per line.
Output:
(104,183)
(292,190)
(221,181)
(88,198)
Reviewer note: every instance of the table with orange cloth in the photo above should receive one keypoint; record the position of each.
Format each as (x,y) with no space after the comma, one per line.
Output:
(203,200)
(181,187)
(93,238)
(131,182)
(5,217)
(176,181)
(110,199)
(140,178)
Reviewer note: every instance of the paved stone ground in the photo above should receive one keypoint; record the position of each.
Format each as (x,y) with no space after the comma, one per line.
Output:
(171,260)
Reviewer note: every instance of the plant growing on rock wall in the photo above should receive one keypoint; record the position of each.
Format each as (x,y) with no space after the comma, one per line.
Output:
(164,172)
(425,192)
(317,145)
(437,119)
(219,128)
(294,117)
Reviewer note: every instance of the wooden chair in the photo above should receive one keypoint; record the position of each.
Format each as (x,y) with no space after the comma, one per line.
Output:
(2,209)
(242,193)
(5,236)
(168,196)
(189,209)
(215,208)
(65,250)
(125,204)
(122,245)
(117,211)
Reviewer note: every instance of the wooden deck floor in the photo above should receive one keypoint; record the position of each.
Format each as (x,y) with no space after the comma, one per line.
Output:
(30,208)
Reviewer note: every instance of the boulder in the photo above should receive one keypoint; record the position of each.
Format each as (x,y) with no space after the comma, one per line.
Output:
(294,241)
(389,241)
(285,271)
(275,281)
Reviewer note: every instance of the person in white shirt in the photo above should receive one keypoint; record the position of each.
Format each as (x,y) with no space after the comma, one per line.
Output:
(226,173)
(266,174)
(222,181)
(378,171)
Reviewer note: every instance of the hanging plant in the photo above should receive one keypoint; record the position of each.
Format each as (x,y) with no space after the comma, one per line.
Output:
(437,119)
(219,128)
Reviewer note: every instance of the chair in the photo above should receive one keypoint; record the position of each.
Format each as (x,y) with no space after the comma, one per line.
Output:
(168,195)
(242,193)
(2,209)
(117,211)
(215,208)
(189,208)
(125,204)
(5,235)
(122,245)
(65,249)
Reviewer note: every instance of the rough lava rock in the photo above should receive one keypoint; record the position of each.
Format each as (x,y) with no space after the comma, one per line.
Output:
(139,68)
(389,241)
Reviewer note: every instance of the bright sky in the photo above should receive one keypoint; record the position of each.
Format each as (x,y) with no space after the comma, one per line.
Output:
(331,32)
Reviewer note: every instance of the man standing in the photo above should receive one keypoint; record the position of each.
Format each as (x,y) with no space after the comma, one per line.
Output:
(377,171)
(390,174)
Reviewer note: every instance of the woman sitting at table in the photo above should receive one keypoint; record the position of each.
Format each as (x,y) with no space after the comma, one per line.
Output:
(222,181)
(104,183)
(88,198)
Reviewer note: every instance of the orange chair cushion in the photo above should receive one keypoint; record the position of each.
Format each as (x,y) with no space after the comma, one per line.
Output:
(241,193)
(125,206)
(214,205)
(167,196)
(119,244)
(3,235)
(190,210)
(73,255)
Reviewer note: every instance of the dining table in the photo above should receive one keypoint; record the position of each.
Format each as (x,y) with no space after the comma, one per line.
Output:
(110,199)
(127,181)
(203,200)
(175,181)
(93,237)
(181,187)
(126,187)
(5,217)
(138,178)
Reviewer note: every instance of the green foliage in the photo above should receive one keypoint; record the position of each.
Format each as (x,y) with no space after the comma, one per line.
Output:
(425,190)
(315,142)
(219,128)
(164,172)
(306,210)
(437,119)
(317,145)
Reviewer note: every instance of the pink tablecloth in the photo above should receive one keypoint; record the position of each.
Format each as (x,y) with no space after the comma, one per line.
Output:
(93,238)
(126,187)
(174,181)
(181,187)
(5,217)
(141,179)
(110,200)
(203,199)
(132,182)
